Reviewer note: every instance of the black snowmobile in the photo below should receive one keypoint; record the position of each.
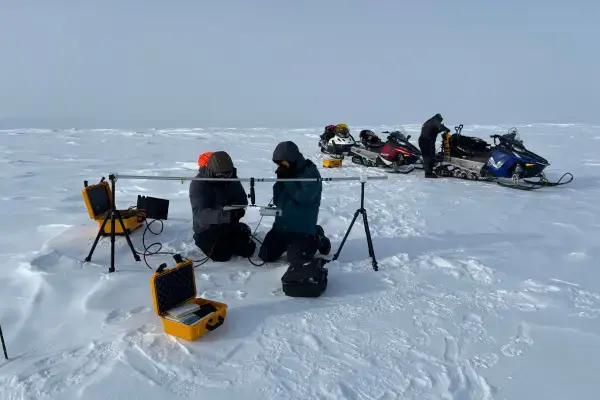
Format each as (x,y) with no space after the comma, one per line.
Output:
(508,160)
(336,141)
(397,153)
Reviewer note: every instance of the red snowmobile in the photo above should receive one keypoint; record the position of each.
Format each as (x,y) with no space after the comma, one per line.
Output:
(396,154)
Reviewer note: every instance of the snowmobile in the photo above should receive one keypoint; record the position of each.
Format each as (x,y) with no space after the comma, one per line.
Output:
(508,162)
(396,155)
(336,141)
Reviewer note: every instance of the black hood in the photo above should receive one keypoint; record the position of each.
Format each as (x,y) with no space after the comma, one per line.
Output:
(288,151)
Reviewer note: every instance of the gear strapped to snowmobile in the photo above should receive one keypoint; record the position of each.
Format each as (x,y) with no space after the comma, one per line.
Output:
(336,141)
(507,162)
(396,155)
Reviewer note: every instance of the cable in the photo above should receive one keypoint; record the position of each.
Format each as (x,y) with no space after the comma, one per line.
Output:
(253,236)
(147,252)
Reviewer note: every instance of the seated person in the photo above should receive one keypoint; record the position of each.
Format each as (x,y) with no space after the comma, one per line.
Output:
(296,230)
(217,232)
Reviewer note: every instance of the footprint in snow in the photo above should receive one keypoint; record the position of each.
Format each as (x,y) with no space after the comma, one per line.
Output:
(219,294)
(533,286)
(240,276)
(518,343)
(117,316)
(486,360)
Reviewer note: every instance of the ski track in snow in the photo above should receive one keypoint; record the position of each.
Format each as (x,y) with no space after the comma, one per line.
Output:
(483,292)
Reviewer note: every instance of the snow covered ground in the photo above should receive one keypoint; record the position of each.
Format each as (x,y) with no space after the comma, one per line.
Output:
(483,292)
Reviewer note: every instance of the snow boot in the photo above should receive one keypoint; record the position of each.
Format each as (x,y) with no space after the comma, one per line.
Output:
(324,245)
(245,229)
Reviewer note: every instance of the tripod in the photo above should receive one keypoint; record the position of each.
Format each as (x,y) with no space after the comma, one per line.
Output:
(362,211)
(113,214)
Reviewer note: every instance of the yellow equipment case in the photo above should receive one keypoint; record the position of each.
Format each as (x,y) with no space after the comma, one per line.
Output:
(332,163)
(176,287)
(98,201)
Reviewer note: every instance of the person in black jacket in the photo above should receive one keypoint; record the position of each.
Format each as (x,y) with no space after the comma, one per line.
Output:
(296,230)
(217,232)
(431,128)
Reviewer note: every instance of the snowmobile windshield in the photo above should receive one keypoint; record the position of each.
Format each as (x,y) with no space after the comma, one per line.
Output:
(513,136)
(398,136)
(342,133)
(514,139)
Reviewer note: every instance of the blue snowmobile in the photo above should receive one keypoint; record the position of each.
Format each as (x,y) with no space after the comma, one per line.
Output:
(507,162)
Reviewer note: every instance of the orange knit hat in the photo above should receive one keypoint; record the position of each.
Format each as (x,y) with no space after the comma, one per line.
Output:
(203,158)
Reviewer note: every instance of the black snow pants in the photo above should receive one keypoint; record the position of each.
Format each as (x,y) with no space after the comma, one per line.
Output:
(221,242)
(427,147)
(300,247)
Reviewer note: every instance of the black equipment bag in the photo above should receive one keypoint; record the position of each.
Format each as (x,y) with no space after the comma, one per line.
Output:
(468,145)
(309,280)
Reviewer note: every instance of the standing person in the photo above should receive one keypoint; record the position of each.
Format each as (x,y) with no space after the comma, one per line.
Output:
(296,230)
(431,128)
(217,232)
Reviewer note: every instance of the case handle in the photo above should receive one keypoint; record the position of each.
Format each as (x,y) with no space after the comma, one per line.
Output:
(216,325)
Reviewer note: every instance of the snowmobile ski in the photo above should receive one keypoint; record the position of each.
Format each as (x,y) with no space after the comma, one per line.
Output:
(401,169)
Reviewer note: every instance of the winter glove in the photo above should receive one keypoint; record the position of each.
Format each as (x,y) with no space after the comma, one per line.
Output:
(284,173)
(238,214)
(280,172)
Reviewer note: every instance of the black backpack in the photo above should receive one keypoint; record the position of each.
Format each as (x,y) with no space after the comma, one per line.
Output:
(309,280)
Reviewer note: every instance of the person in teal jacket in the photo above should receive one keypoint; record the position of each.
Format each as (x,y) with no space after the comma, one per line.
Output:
(296,230)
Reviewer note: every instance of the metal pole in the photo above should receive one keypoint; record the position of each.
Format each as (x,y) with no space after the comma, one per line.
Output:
(183,178)
(115,176)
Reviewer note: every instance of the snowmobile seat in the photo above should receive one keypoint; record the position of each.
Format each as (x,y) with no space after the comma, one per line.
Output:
(468,146)
(376,148)
(328,133)
(370,140)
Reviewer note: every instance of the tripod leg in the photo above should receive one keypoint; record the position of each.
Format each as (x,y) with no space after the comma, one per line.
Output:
(337,253)
(112,242)
(3,344)
(100,231)
(135,254)
(369,241)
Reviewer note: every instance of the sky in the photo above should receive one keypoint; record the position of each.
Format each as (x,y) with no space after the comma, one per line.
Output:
(193,63)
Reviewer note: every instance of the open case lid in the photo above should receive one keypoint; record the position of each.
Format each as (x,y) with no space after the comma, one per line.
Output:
(97,198)
(173,287)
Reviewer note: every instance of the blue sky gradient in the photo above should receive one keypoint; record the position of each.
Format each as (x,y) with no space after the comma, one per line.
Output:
(193,63)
